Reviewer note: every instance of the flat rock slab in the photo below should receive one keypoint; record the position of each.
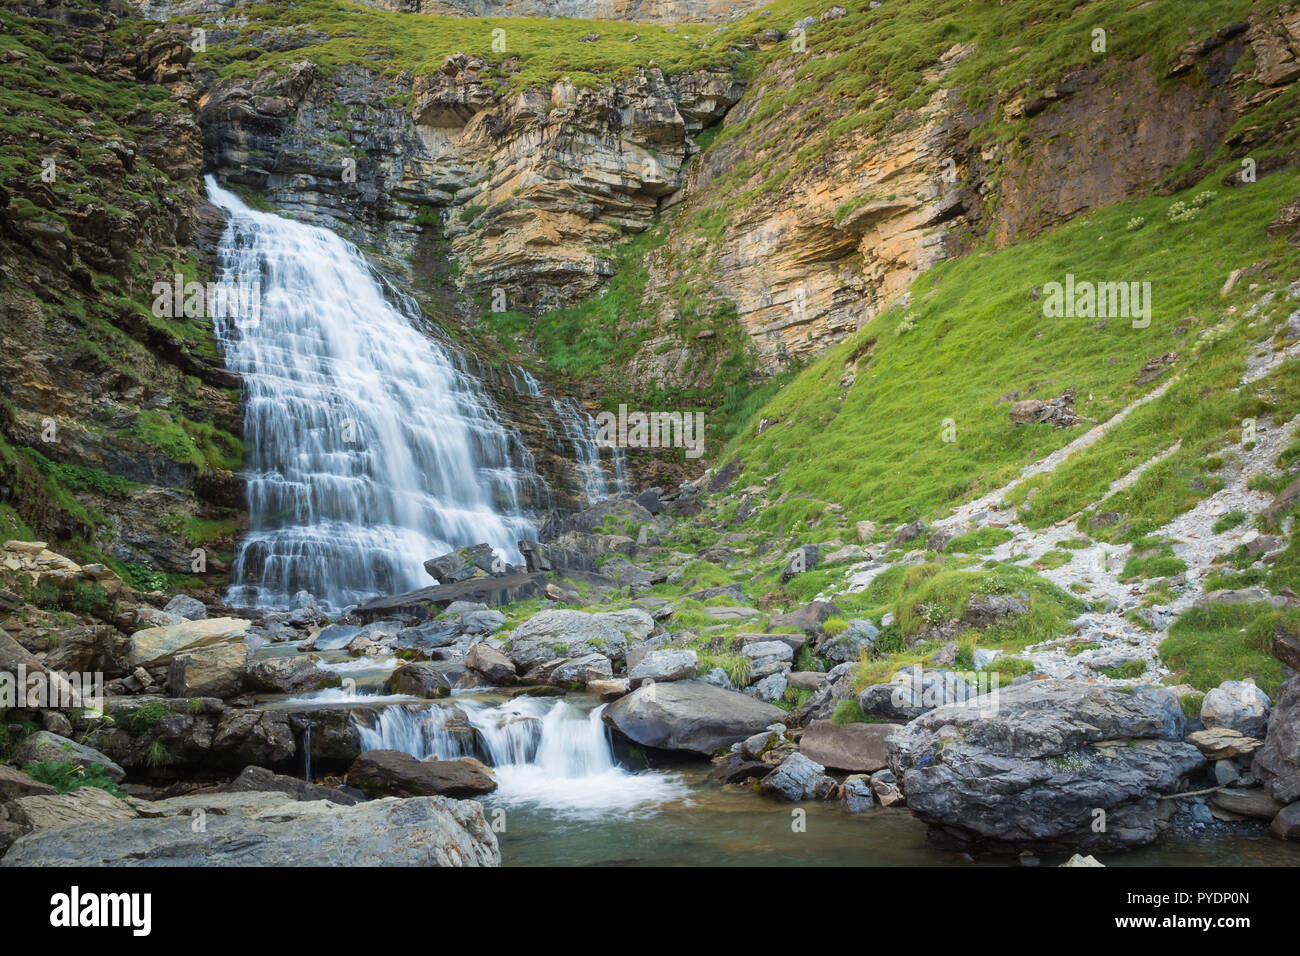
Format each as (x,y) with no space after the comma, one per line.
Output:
(1247,803)
(15,783)
(87,805)
(1223,743)
(414,605)
(857,747)
(394,773)
(157,645)
(259,779)
(690,716)
(424,831)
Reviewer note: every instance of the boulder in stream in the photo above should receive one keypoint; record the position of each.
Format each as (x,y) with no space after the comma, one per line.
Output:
(384,773)
(689,715)
(1050,762)
(564,633)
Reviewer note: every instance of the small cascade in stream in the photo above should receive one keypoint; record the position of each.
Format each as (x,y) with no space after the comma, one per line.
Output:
(542,750)
(370,449)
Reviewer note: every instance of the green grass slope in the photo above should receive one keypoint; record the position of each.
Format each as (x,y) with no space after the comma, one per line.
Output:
(974,332)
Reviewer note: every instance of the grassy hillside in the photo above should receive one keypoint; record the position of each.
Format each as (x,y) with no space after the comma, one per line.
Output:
(537,51)
(974,332)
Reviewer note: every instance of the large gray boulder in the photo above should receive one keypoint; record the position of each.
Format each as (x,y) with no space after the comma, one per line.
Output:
(493,665)
(418,680)
(157,645)
(858,638)
(564,633)
(423,831)
(1277,763)
(1049,761)
(476,561)
(664,664)
(689,715)
(1237,705)
(767,658)
(913,691)
(216,671)
(289,675)
(578,672)
(857,747)
(191,609)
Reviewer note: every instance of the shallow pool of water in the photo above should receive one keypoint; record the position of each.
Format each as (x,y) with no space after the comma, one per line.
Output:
(701,823)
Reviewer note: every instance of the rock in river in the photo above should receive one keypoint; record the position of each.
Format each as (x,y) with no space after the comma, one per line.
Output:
(689,715)
(856,747)
(1042,761)
(382,773)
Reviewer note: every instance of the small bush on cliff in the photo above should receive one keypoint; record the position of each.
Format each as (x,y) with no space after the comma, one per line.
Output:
(67,776)
(136,720)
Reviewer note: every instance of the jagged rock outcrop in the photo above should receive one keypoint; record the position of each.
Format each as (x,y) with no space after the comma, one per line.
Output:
(532,190)
(104,399)
(1047,761)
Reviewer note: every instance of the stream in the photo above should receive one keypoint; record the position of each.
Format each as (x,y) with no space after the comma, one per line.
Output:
(564,799)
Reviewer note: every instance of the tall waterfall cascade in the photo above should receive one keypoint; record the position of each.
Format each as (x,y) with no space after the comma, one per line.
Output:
(369,449)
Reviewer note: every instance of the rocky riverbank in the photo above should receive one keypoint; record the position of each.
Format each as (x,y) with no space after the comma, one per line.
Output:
(205,702)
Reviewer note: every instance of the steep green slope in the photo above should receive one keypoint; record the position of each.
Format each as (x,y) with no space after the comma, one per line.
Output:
(975,331)
(107,407)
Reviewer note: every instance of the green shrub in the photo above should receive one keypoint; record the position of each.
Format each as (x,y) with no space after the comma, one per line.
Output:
(136,720)
(67,776)
(847,711)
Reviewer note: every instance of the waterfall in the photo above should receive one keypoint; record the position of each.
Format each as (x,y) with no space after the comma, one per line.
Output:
(369,449)
(581,432)
(543,751)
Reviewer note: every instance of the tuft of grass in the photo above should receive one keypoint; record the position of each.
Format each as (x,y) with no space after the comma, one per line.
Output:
(979,540)
(847,711)
(1229,521)
(1207,646)
(68,776)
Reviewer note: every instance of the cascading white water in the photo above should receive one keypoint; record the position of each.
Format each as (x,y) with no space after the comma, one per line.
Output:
(581,434)
(580,431)
(369,451)
(543,751)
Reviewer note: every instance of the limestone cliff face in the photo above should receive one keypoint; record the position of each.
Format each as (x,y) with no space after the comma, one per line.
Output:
(532,191)
(102,401)
(843,238)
